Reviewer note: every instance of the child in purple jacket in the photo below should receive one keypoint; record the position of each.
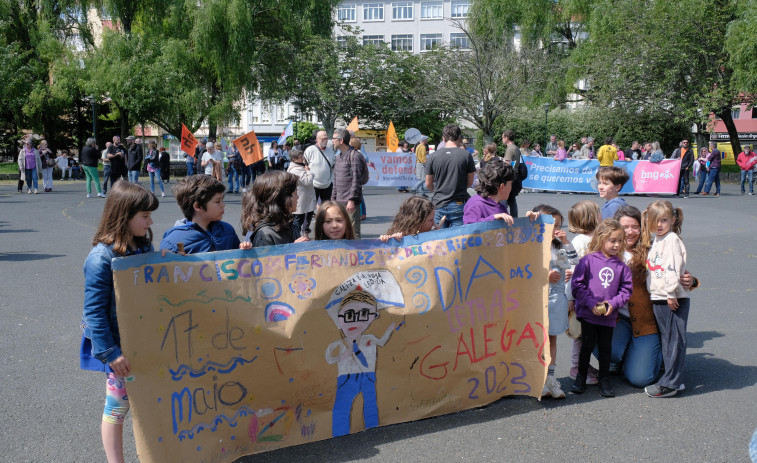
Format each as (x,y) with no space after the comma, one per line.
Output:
(601,284)
(495,181)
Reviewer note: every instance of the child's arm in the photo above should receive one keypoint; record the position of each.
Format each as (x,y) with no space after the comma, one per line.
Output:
(385,238)
(98,290)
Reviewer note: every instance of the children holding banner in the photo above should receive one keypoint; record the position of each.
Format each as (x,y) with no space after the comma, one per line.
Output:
(495,181)
(601,284)
(333,222)
(416,215)
(267,210)
(563,257)
(124,230)
(200,199)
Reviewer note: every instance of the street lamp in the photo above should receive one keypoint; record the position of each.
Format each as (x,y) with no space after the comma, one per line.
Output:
(546,129)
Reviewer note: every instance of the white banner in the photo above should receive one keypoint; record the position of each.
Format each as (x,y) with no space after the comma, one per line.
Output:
(391,169)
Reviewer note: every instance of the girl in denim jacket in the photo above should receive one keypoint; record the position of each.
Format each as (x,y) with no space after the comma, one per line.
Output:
(124,230)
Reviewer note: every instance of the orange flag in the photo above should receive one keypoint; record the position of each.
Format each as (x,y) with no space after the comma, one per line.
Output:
(188,141)
(392,142)
(353,127)
(249,148)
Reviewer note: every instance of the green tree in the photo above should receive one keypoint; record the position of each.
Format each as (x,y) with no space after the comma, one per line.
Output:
(665,57)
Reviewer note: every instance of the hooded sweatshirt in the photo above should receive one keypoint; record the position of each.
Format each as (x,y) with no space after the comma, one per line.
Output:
(599,278)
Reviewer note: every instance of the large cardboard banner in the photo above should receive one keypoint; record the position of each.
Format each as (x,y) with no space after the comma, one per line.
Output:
(241,352)
(391,169)
(580,175)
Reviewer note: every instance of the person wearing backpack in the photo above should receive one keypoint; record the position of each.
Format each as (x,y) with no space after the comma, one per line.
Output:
(350,174)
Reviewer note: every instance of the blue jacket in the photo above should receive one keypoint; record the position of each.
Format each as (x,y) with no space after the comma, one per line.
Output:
(99,320)
(220,236)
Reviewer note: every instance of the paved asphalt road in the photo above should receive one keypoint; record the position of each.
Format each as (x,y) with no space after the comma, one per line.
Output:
(50,410)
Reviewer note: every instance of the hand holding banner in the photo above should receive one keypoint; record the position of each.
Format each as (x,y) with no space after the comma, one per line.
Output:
(188,141)
(249,147)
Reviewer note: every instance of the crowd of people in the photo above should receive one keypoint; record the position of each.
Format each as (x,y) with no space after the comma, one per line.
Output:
(633,318)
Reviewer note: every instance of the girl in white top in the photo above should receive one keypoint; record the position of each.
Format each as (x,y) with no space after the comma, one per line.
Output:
(666,263)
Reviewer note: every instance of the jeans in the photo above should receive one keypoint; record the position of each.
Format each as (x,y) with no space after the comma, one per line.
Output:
(233,173)
(134,176)
(747,175)
(683,183)
(672,325)
(92,176)
(453,213)
(106,177)
(153,176)
(47,177)
(702,177)
(301,224)
(246,176)
(31,177)
(190,168)
(713,176)
(641,356)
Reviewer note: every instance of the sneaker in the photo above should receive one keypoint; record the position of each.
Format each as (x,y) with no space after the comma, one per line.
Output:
(28,191)
(657,391)
(716,194)
(162,194)
(101,195)
(704,194)
(35,191)
(591,378)
(89,195)
(554,388)
(751,193)
(545,392)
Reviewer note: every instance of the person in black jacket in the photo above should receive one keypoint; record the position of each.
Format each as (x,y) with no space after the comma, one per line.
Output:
(686,154)
(117,156)
(165,165)
(133,158)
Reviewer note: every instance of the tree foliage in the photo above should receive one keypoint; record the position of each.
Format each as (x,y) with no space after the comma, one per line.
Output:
(661,56)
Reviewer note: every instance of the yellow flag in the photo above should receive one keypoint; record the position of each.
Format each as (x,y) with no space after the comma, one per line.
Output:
(353,127)
(392,142)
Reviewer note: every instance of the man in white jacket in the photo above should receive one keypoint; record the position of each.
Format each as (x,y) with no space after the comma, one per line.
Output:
(320,160)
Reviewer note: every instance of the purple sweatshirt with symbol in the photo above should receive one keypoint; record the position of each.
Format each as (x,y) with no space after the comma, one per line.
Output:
(599,278)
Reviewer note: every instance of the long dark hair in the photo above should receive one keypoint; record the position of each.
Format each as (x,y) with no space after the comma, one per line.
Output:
(124,201)
(320,219)
(269,200)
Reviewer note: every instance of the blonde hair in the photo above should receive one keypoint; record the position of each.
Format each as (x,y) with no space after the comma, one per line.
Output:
(583,217)
(490,150)
(654,212)
(606,228)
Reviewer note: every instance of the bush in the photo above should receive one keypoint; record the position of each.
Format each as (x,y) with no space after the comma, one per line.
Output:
(599,123)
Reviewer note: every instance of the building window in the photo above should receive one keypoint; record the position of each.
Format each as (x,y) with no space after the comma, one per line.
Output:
(754,112)
(432,10)
(402,10)
(373,11)
(459,40)
(346,13)
(341,41)
(373,39)
(428,41)
(460,9)
(735,113)
(403,42)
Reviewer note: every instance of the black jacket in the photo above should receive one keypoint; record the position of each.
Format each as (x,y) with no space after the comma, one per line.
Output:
(134,157)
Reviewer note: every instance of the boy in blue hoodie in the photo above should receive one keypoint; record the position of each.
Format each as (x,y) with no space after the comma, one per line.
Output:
(200,198)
